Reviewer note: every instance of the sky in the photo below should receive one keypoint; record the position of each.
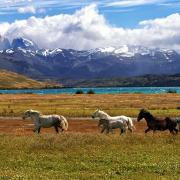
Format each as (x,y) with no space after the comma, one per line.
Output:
(89,24)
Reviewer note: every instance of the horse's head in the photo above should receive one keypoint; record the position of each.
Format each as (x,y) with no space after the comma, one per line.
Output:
(100,114)
(95,114)
(26,114)
(141,114)
(29,113)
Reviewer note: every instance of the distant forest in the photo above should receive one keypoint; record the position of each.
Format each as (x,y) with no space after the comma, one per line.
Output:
(144,81)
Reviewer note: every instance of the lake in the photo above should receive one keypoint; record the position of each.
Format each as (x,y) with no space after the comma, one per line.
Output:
(104,90)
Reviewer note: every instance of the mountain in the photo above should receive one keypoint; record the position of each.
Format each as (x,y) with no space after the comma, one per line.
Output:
(4,43)
(67,65)
(24,44)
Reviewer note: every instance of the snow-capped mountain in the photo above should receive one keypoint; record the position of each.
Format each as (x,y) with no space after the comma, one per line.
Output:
(4,43)
(24,44)
(26,58)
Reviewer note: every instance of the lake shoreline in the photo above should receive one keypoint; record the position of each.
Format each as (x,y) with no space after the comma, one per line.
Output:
(95,90)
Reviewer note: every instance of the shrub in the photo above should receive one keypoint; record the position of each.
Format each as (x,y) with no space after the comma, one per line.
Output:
(79,91)
(90,91)
(171,91)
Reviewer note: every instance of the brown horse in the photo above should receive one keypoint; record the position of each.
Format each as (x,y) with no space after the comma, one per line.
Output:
(154,123)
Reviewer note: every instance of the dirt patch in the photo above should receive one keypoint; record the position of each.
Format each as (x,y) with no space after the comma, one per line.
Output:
(19,127)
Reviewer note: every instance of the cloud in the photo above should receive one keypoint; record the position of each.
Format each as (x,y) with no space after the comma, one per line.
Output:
(130,3)
(87,29)
(27,9)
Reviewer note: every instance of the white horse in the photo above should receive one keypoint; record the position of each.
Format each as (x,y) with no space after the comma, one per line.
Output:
(113,124)
(46,121)
(102,115)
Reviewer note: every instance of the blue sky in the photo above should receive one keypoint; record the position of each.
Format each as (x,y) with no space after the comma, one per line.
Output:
(122,13)
(92,24)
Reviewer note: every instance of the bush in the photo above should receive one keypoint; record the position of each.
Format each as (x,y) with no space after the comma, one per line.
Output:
(79,91)
(171,91)
(90,91)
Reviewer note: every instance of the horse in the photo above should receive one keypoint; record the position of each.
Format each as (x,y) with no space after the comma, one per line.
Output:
(154,123)
(113,124)
(104,115)
(46,121)
(178,123)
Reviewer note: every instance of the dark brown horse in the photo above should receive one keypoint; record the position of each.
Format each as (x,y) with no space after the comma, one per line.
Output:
(154,123)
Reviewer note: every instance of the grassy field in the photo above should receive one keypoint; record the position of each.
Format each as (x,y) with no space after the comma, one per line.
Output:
(90,156)
(84,105)
(82,152)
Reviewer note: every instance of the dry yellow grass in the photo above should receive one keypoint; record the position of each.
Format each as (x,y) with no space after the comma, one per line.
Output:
(11,80)
(84,105)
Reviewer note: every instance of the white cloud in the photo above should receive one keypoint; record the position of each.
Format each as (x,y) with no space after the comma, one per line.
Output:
(27,9)
(130,3)
(42,10)
(87,29)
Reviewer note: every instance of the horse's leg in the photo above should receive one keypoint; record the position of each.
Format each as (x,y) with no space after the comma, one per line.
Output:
(176,130)
(147,130)
(107,130)
(122,130)
(171,131)
(38,130)
(130,129)
(56,129)
(102,130)
(154,130)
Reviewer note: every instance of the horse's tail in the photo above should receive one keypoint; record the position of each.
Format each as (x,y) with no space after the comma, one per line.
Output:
(178,120)
(130,123)
(178,123)
(64,123)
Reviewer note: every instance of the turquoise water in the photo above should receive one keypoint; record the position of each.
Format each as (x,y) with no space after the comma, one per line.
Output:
(104,90)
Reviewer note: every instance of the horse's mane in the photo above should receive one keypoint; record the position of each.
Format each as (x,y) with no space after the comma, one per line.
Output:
(104,112)
(34,111)
(145,111)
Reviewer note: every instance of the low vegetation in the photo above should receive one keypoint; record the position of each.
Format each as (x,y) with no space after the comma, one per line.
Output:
(11,80)
(139,81)
(89,156)
(90,91)
(79,91)
(171,91)
(83,105)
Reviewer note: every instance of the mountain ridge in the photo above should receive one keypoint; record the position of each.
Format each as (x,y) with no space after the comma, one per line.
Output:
(58,64)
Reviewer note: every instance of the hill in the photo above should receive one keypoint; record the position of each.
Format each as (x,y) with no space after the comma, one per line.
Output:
(11,80)
(139,81)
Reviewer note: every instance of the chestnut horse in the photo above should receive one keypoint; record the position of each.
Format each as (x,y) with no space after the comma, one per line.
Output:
(154,123)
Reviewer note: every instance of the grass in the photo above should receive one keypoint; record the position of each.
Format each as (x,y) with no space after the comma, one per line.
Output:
(89,156)
(84,105)
(73,155)
(11,80)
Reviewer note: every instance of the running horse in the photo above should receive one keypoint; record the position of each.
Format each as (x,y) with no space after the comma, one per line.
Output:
(46,121)
(155,123)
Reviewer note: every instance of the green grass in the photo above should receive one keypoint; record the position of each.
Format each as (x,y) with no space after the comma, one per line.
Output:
(90,156)
(84,105)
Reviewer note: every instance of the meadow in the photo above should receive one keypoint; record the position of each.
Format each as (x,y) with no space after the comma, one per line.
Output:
(82,152)
(89,156)
(167,104)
